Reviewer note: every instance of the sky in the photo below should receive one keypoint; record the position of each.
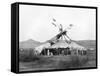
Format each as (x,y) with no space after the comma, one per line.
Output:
(35,22)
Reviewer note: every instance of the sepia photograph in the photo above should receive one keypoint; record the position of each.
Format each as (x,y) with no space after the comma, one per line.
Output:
(56,38)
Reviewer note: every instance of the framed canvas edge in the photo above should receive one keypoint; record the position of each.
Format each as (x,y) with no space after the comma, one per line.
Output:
(15,38)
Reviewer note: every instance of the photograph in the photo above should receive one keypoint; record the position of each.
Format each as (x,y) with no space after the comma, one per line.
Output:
(56,37)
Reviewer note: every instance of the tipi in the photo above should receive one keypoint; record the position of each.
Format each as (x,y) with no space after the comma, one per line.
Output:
(61,40)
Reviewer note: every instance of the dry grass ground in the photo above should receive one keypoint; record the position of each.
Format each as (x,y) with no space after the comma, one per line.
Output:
(30,62)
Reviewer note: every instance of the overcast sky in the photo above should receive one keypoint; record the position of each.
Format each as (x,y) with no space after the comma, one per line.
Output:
(35,22)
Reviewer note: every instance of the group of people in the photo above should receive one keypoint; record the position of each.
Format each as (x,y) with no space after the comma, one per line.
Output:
(55,51)
(62,51)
